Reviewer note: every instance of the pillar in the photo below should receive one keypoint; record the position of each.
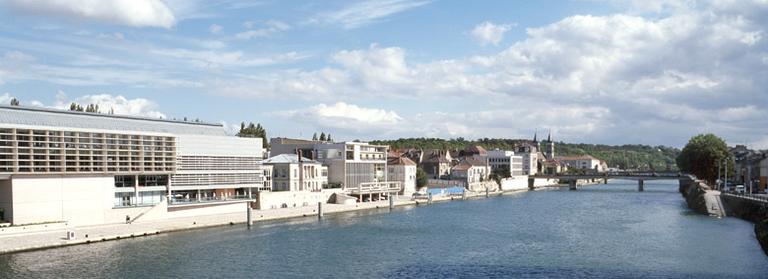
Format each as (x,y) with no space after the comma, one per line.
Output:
(486,191)
(391,202)
(319,210)
(640,185)
(464,194)
(429,198)
(249,214)
(136,190)
(572,184)
(531,183)
(168,188)
(605,180)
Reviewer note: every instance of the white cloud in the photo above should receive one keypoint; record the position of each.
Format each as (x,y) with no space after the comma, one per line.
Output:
(138,13)
(271,27)
(5,99)
(488,33)
(363,13)
(345,116)
(106,102)
(674,75)
(215,28)
(216,59)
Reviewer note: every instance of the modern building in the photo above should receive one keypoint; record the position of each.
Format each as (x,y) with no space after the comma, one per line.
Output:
(288,174)
(92,168)
(507,161)
(358,168)
(529,151)
(400,168)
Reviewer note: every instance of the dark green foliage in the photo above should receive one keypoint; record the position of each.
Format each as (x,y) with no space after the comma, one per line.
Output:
(15,102)
(322,136)
(629,156)
(253,131)
(421,178)
(702,155)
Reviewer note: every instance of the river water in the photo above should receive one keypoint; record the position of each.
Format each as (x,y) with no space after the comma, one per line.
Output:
(606,231)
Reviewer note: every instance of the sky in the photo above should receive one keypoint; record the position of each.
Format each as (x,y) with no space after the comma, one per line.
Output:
(606,72)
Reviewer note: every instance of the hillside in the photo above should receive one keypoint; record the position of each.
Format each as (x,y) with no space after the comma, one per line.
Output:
(631,156)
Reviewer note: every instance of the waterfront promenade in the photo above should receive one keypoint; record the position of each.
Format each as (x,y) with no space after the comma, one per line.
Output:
(11,242)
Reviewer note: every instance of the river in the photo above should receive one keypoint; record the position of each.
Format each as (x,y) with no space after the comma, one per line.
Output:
(605,231)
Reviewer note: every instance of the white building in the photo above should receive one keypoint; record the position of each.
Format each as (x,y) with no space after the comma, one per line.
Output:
(288,174)
(529,152)
(91,168)
(471,171)
(585,162)
(358,168)
(506,160)
(402,169)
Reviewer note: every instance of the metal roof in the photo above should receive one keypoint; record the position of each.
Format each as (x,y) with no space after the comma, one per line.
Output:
(288,159)
(34,116)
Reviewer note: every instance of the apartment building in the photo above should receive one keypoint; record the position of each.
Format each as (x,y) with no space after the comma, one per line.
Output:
(359,168)
(402,169)
(506,161)
(290,174)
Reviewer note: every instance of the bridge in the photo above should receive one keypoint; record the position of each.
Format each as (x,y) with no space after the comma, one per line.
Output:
(641,177)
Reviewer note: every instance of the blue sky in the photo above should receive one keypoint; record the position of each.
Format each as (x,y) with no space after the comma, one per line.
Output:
(614,71)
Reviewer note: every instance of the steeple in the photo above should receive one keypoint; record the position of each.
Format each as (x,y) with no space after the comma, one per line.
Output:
(534,136)
(549,136)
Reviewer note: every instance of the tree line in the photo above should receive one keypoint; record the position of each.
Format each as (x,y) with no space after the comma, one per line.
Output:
(628,156)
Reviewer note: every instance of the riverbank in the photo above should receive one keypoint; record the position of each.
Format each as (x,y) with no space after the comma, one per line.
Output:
(55,236)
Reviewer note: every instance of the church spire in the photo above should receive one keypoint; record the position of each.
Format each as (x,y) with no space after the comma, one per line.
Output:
(534,135)
(549,136)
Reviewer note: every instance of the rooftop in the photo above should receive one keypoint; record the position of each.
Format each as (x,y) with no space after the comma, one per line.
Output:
(35,116)
(288,159)
(398,160)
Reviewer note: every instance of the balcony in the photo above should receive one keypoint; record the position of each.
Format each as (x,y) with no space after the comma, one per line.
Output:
(375,187)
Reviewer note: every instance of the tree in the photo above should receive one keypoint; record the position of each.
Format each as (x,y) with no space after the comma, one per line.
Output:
(322,136)
(253,131)
(702,155)
(328,138)
(421,178)
(314,136)
(15,102)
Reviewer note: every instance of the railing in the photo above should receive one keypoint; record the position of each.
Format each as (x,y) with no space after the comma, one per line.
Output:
(753,197)
(376,187)
(208,199)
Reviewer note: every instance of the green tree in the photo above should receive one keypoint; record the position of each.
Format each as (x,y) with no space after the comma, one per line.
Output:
(15,102)
(421,178)
(253,131)
(702,155)
(322,136)
(314,136)
(328,138)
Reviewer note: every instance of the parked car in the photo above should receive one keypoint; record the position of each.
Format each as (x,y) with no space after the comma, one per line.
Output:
(740,189)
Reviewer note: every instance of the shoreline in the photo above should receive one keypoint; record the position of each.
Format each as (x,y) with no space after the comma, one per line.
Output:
(43,240)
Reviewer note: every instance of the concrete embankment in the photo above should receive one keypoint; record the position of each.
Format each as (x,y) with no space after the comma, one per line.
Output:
(701,198)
